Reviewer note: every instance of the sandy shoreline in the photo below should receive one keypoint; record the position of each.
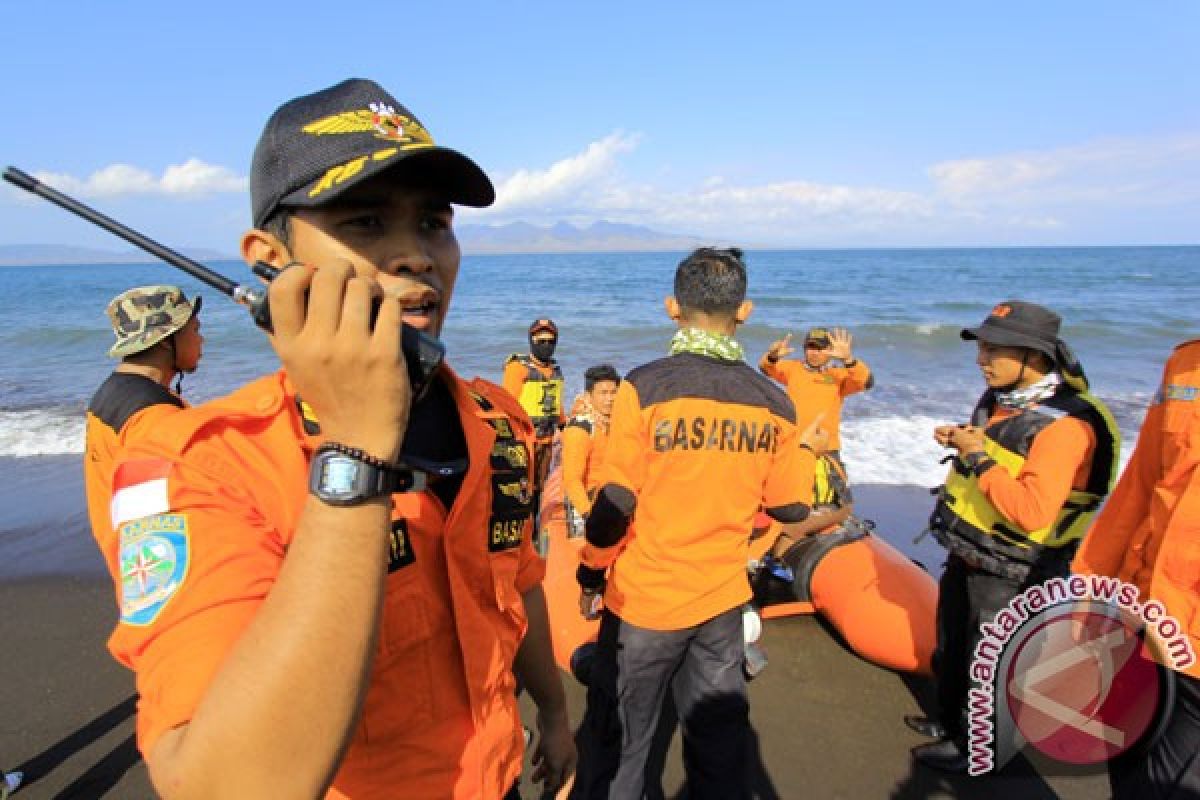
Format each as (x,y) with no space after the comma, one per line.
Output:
(44,529)
(826,723)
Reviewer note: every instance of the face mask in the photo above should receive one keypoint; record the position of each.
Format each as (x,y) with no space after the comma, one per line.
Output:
(542,351)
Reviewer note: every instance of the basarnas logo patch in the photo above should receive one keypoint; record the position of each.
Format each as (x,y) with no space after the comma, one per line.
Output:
(154,563)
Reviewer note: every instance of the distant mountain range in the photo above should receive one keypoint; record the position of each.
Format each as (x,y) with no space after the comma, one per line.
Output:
(36,255)
(514,237)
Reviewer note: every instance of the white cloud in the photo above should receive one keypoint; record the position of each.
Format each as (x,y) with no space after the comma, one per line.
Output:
(959,179)
(1138,171)
(193,177)
(1111,190)
(570,176)
(1073,191)
(590,186)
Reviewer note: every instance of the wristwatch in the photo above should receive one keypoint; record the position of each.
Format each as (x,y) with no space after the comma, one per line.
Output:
(978,462)
(340,479)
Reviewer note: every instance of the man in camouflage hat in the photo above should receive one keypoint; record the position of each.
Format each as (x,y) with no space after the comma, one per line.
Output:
(147,315)
(158,338)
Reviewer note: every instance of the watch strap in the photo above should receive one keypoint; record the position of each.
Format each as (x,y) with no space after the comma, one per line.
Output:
(373,477)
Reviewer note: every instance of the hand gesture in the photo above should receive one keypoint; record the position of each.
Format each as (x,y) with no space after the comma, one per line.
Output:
(815,436)
(352,374)
(554,753)
(781,348)
(963,438)
(840,342)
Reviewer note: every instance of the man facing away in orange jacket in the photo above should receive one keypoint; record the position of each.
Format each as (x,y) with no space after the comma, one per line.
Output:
(158,340)
(1148,535)
(699,442)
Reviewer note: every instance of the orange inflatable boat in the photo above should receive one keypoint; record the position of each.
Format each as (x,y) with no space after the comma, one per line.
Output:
(881,602)
(568,628)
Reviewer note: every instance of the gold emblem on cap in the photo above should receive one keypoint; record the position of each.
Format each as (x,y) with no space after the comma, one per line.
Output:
(379,119)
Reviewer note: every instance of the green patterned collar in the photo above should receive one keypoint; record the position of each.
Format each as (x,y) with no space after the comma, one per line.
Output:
(706,343)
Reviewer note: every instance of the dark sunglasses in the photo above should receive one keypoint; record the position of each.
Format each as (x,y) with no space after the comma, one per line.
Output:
(816,345)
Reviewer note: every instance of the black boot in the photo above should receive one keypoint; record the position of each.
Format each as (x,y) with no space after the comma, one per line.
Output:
(944,755)
(926,726)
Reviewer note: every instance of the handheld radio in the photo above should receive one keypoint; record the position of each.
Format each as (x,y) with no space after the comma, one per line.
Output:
(422,353)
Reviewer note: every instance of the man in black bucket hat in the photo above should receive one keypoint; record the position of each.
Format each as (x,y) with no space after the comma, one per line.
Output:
(1030,469)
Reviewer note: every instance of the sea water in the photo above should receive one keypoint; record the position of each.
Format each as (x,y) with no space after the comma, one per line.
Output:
(1123,309)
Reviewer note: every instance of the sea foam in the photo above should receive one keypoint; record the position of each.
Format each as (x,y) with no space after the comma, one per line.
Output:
(893,449)
(41,432)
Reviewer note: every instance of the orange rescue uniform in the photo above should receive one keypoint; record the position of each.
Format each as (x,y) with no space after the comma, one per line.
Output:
(819,391)
(519,369)
(1148,534)
(583,446)
(440,717)
(1060,459)
(696,447)
(125,408)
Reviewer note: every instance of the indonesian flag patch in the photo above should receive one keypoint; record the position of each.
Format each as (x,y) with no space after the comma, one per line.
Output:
(139,490)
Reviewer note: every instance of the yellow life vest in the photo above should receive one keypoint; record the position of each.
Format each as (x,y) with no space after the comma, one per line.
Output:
(541,396)
(830,487)
(964,512)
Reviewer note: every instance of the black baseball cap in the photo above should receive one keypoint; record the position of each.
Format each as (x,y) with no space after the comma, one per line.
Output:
(317,146)
(818,336)
(1015,323)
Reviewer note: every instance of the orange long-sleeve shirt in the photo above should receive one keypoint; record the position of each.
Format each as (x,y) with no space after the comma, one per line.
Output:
(124,409)
(583,446)
(819,391)
(697,446)
(1060,459)
(440,717)
(1148,534)
(515,375)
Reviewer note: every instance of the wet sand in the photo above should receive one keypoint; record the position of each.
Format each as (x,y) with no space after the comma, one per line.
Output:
(826,723)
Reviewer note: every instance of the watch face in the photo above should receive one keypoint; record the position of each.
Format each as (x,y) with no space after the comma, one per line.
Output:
(338,476)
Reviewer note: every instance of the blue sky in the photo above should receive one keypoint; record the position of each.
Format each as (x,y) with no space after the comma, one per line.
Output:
(785,124)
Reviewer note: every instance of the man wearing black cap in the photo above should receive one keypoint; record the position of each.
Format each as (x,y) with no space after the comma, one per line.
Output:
(536,380)
(820,382)
(1030,470)
(328,579)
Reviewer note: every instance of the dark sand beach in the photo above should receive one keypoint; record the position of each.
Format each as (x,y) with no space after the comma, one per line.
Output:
(826,724)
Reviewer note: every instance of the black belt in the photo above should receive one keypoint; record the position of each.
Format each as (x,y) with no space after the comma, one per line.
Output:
(983,562)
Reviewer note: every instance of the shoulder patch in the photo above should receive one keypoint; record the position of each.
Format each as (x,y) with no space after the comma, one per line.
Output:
(139,489)
(154,559)
(1175,391)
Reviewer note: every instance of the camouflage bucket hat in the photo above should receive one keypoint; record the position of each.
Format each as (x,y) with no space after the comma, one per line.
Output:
(145,315)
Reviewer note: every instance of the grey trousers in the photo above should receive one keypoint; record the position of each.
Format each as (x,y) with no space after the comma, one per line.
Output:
(632,671)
